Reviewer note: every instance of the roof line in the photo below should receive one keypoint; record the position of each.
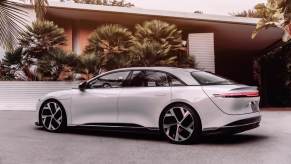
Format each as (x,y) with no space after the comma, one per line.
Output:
(148,12)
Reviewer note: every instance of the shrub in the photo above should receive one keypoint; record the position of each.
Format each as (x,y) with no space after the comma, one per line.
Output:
(158,43)
(111,45)
(42,37)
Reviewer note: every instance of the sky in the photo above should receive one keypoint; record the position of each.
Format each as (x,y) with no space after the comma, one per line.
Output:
(220,7)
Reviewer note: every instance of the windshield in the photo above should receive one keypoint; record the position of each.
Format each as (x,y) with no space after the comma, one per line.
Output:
(206,78)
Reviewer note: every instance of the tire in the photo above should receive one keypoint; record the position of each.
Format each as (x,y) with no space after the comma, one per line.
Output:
(52,116)
(180,124)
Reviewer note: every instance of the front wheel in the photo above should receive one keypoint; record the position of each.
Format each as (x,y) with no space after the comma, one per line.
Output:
(180,124)
(53,116)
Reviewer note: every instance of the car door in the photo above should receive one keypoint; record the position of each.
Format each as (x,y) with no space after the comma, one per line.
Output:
(98,103)
(144,96)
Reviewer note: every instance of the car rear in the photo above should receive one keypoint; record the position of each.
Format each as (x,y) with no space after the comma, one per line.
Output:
(239,103)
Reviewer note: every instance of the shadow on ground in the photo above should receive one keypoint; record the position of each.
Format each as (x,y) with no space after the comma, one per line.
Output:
(142,134)
(233,139)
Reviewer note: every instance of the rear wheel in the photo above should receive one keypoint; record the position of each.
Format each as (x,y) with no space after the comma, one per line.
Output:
(180,124)
(53,116)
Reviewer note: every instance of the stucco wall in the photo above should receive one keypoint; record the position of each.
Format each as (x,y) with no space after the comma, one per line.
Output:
(67,25)
(76,31)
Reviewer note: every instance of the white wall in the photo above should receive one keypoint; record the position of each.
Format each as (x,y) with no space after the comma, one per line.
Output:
(23,95)
(201,46)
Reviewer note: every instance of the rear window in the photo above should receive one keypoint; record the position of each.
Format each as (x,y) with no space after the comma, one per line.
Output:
(205,78)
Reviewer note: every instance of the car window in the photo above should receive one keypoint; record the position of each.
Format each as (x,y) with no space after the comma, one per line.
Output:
(148,79)
(111,80)
(174,81)
(206,78)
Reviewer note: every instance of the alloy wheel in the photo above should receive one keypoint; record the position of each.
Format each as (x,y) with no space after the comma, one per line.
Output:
(52,116)
(178,124)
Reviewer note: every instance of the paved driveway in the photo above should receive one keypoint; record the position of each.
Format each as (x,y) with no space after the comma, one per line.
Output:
(21,143)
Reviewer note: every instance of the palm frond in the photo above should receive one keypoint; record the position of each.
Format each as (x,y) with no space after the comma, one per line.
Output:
(12,21)
(111,44)
(158,43)
(41,37)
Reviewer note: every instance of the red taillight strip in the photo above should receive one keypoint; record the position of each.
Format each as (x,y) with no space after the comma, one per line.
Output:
(238,94)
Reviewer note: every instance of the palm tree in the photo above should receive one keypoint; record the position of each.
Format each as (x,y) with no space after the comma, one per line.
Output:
(88,66)
(167,44)
(111,44)
(41,37)
(151,54)
(12,20)
(40,42)
(40,8)
(58,65)
(11,63)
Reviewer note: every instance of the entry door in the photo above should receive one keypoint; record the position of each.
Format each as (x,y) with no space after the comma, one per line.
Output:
(145,95)
(98,103)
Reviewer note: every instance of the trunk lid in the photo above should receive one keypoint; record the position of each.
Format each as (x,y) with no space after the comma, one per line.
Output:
(234,99)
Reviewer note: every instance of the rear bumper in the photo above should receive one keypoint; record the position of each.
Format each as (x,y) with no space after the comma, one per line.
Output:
(235,127)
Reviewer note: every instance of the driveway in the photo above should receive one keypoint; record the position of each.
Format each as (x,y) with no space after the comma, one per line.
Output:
(22,143)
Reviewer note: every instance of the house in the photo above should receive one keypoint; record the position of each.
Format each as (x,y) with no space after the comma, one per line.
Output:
(220,44)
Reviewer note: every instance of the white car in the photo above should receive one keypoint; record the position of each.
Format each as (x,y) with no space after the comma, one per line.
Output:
(182,103)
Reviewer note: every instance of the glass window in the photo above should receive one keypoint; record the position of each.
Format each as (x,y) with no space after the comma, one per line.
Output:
(112,80)
(206,78)
(148,79)
(175,82)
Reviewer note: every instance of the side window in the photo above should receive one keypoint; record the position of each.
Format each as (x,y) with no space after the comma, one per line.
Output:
(112,80)
(175,82)
(148,79)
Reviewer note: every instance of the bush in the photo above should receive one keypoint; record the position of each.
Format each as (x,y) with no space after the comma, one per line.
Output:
(274,77)
(110,44)
(158,43)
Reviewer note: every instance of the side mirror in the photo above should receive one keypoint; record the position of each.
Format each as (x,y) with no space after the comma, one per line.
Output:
(83,86)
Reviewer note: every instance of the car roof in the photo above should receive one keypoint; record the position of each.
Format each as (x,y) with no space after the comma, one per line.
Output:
(181,73)
(166,69)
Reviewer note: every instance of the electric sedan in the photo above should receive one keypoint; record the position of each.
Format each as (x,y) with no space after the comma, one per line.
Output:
(181,103)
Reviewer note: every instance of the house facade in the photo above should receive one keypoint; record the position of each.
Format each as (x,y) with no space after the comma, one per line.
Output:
(220,44)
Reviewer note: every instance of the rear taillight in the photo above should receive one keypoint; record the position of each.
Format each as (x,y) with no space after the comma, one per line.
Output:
(238,94)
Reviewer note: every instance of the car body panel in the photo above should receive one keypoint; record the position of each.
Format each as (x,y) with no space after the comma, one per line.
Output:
(234,106)
(143,106)
(93,105)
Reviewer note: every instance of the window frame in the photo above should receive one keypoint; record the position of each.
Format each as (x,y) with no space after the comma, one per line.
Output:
(108,73)
(169,75)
